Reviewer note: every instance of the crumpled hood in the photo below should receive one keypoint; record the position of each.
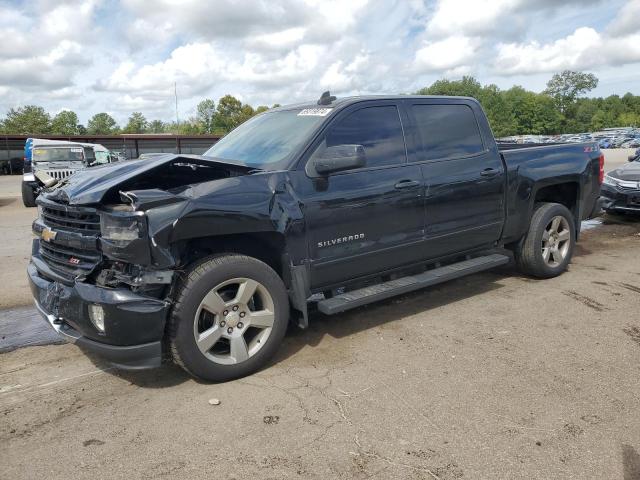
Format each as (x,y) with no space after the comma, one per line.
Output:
(629,172)
(90,186)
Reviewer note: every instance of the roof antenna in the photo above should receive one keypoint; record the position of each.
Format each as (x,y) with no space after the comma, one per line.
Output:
(326,98)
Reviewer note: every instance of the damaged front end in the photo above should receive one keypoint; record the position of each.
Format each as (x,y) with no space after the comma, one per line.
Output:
(104,261)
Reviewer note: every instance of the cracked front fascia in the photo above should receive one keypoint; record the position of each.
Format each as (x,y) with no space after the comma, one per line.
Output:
(236,205)
(242,202)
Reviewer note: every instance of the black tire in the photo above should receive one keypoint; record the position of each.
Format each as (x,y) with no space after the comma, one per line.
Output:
(198,282)
(529,253)
(28,195)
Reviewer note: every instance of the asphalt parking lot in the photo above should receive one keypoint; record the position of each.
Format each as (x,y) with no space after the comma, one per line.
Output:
(491,376)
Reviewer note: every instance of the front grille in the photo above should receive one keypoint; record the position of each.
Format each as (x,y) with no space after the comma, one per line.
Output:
(70,260)
(66,219)
(59,174)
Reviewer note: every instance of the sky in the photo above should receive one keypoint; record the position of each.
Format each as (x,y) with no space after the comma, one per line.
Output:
(122,56)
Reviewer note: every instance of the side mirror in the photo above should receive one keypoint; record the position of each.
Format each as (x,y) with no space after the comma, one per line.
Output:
(633,158)
(339,158)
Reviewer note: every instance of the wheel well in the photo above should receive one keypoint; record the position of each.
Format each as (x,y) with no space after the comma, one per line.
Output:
(563,193)
(265,246)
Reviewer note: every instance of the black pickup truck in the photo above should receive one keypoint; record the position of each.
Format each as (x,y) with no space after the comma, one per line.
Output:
(330,205)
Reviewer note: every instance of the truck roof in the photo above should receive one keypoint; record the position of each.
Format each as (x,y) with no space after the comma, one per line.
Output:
(42,142)
(346,101)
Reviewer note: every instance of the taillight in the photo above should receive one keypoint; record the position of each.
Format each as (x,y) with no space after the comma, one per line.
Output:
(601,176)
(27,165)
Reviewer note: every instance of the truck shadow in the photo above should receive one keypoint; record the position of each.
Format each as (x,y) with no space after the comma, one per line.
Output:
(389,311)
(341,325)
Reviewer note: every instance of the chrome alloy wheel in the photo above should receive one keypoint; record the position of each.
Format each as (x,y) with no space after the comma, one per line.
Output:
(556,240)
(234,321)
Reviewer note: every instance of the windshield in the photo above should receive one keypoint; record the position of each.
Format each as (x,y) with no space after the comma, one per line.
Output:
(267,141)
(102,158)
(68,154)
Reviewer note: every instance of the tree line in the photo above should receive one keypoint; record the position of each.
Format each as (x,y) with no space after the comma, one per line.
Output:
(210,119)
(561,108)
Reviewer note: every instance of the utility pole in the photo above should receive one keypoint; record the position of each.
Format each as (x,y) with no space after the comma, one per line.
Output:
(175,92)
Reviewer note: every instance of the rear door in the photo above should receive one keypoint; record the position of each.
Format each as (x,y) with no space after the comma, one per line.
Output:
(463,173)
(369,219)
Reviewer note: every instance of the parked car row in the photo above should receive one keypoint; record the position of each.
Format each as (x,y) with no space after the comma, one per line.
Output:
(609,138)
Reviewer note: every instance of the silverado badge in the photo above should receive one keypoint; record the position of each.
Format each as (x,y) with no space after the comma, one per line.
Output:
(48,234)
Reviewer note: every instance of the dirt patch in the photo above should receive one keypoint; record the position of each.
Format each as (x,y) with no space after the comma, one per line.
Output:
(630,287)
(634,333)
(589,302)
(92,441)
(15,248)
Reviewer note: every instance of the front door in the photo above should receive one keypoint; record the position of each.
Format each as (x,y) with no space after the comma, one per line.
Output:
(369,219)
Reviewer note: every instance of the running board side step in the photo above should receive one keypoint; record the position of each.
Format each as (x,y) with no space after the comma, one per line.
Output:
(363,296)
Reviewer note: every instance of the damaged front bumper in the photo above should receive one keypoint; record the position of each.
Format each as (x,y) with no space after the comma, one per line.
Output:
(613,199)
(133,323)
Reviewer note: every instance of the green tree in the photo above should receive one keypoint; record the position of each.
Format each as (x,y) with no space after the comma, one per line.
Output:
(157,126)
(498,112)
(137,123)
(102,124)
(533,113)
(26,120)
(261,108)
(228,112)
(65,123)
(628,119)
(206,114)
(567,86)
(467,87)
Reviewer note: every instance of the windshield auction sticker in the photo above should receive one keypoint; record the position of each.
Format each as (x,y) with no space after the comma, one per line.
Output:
(314,112)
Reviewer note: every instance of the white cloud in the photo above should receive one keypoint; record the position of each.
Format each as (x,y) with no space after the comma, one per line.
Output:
(468,18)
(584,49)
(94,55)
(452,52)
(626,21)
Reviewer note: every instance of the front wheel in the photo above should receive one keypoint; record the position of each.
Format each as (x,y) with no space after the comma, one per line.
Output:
(28,195)
(547,247)
(230,316)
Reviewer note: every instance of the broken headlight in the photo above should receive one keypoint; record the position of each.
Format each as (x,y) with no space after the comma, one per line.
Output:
(121,228)
(608,180)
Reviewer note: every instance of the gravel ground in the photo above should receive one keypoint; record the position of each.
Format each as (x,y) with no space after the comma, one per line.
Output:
(491,376)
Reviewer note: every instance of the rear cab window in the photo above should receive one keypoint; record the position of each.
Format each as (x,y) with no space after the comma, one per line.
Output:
(447,131)
(377,128)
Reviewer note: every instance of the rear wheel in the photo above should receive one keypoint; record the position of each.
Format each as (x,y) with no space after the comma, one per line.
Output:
(548,245)
(229,318)
(28,195)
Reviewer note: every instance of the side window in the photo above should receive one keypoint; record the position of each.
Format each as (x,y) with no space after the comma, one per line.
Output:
(447,131)
(377,129)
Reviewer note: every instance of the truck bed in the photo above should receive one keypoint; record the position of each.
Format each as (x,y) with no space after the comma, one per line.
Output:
(534,166)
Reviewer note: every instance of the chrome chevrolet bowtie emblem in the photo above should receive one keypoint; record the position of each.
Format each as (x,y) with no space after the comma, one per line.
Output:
(48,234)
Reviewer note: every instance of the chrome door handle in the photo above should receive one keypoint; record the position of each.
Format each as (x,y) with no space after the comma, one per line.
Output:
(489,172)
(407,184)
